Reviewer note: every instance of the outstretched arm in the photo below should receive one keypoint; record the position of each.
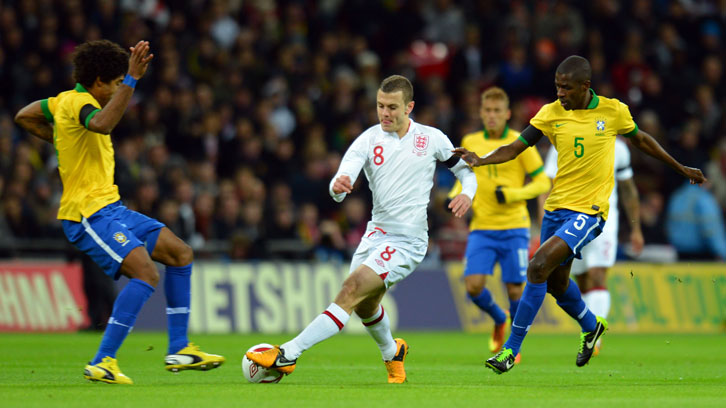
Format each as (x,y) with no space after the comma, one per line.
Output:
(528,137)
(108,117)
(32,119)
(500,155)
(647,144)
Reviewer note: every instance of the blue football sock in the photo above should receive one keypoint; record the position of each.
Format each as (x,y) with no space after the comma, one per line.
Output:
(572,303)
(487,304)
(529,304)
(127,306)
(513,305)
(177,287)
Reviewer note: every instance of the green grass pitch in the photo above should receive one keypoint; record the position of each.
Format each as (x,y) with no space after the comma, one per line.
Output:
(444,369)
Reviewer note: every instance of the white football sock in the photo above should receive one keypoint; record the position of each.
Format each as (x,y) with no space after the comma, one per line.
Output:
(379,327)
(598,301)
(326,325)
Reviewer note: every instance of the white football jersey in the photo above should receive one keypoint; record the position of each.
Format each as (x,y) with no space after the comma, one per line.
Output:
(623,171)
(400,173)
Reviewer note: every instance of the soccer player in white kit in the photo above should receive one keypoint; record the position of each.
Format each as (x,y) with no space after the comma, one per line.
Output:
(599,255)
(398,157)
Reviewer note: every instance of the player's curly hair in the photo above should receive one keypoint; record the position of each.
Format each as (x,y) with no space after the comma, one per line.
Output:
(99,59)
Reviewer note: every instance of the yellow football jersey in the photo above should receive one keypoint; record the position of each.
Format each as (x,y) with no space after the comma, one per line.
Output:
(488,214)
(85,159)
(585,143)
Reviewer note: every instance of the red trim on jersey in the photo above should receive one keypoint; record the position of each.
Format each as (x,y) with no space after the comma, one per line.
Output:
(335,319)
(373,232)
(371,323)
(597,288)
(383,275)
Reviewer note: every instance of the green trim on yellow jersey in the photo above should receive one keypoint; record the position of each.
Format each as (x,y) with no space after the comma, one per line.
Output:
(46,110)
(632,132)
(585,143)
(536,172)
(504,133)
(594,101)
(523,140)
(86,160)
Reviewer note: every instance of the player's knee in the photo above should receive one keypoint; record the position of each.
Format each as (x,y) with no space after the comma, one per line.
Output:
(182,255)
(598,277)
(537,270)
(514,291)
(185,255)
(148,273)
(348,297)
(474,289)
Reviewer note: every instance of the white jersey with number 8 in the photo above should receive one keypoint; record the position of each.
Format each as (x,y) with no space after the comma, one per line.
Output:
(400,173)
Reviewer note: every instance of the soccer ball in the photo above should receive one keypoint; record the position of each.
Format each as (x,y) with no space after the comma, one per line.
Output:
(255,373)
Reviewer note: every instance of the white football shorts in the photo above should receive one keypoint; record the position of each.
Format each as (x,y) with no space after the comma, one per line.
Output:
(600,253)
(392,257)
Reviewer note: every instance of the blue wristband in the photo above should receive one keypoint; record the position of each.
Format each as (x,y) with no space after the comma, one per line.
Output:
(130,81)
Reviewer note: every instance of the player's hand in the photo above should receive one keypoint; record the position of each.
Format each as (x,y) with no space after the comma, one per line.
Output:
(460,205)
(342,185)
(636,241)
(695,175)
(139,59)
(467,156)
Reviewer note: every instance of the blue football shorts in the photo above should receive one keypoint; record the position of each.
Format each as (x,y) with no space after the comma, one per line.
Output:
(575,228)
(508,247)
(111,233)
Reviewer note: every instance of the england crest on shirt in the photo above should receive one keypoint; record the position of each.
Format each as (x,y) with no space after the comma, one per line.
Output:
(420,143)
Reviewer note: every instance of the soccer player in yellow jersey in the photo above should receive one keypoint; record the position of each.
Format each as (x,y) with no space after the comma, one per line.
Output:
(500,225)
(582,126)
(123,242)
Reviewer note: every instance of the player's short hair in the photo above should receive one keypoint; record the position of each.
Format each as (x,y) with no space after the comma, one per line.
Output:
(576,66)
(395,83)
(99,59)
(495,93)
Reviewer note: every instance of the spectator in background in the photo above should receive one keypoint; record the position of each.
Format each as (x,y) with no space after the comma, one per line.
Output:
(652,218)
(694,224)
(244,84)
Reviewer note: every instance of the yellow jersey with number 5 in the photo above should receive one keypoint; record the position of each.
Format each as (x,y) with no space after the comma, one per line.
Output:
(585,143)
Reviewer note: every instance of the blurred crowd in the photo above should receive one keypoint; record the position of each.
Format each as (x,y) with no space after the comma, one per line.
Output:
(233,135)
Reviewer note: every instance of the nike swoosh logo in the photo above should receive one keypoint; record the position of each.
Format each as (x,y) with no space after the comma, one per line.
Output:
(509,364)
(591,344)
(567,231)
(280,363)
(559,124)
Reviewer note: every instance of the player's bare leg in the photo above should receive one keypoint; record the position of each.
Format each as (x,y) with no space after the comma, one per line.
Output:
(597,296)
(182,354)
(360,285)
(170,250)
